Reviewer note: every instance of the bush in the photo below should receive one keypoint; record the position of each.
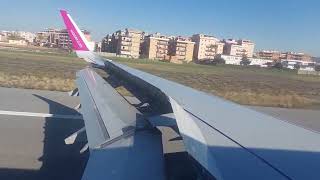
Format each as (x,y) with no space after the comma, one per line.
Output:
(278,65)
(219,61)
(297,66)
(206,62)
(212,61)
(245,61)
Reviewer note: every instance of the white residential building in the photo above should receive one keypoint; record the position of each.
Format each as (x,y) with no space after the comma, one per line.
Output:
(234,60)
(291,63)
(260,62)
(238,48)
(3,37)
(20,42)
(28,36)
(206,47)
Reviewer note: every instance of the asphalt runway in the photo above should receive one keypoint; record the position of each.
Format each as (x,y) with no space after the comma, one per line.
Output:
(306,118)
(32,146)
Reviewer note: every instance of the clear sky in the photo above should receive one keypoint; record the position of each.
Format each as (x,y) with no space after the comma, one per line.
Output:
(274,24)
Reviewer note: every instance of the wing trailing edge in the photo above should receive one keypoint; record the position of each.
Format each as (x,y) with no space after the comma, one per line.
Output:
(122,143)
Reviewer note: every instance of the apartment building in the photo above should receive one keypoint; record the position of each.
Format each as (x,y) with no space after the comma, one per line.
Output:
(62,39)
(155,46)
(48,37)
(206,47)
(58,38)
(105,43)
(248,46)
(20,42)
(41,38)
(109,43)
(181,49)
(87,35)
(3,37)
(27,36)
(296,56)
(97,47)
(238,48)
(272,55)
(128,43)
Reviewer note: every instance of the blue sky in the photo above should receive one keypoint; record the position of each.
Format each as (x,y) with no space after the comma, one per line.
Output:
(274,24)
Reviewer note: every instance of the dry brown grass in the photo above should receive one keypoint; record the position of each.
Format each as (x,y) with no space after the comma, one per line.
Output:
(249,94)
(36,82)
(38,70)
(247,86)
(263,99)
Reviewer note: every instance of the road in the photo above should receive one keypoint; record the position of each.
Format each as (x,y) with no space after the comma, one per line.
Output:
(33,147)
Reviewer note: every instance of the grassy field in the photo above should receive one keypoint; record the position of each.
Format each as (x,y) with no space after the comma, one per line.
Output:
(54,70)
(244,85)
(38,70)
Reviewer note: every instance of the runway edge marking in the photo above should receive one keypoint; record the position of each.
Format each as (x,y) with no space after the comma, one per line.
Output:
(44,115)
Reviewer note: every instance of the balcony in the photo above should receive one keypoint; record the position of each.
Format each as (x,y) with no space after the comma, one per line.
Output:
(181,49)
(125,52)
(162,51)
(181,45)
(126,43)
(126,39)
(211,46)
(125,48)
(211,49)
(127,36)
(162,43)
(210,54)
(181,54)
(160,56)
(162,47)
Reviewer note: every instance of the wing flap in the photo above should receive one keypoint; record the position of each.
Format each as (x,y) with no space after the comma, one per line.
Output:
(107,115)
(138,157)
(122,144)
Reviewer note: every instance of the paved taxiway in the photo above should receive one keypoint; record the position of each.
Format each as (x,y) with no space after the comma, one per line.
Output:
(33,147)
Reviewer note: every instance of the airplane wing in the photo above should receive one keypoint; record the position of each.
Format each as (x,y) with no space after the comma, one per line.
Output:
(122,143)
(227,140)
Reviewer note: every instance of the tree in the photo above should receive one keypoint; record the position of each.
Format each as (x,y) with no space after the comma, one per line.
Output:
(317,68)
(296,66)
(278,65)
(219,61)
(245,61)
(269,64)
(285,64)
